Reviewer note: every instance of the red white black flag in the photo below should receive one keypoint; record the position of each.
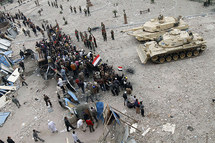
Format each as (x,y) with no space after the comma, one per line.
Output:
(96,60)
(119,68)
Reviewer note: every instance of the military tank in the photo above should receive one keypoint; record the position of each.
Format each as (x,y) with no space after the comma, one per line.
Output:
(154,28)
(172,46)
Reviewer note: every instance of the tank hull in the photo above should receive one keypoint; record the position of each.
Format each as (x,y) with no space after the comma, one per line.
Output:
(158,54)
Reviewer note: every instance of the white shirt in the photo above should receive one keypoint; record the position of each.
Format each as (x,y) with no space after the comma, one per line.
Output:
(79,123)
(51,126)
(60,83)
(75,137)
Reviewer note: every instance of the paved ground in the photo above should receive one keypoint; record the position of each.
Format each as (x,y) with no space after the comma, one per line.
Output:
(182,89)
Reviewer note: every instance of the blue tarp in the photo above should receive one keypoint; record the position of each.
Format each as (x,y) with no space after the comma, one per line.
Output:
(100,108)
(18,60)
(6,53)
(115,116)
(66,101)
(3,117)
(5,60)
(72,95)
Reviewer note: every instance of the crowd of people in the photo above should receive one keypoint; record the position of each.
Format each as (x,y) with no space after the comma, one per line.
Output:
(75,65)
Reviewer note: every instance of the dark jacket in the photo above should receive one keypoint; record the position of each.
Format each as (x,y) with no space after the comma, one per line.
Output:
(10,141)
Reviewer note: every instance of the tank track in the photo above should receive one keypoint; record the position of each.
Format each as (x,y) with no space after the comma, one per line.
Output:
(176,55)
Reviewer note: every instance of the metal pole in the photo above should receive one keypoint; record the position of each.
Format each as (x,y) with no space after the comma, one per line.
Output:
(124,114)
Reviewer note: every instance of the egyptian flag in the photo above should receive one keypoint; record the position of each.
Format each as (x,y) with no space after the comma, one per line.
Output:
(96,60)
(119,68)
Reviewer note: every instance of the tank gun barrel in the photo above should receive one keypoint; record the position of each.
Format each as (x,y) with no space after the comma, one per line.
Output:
(132,29)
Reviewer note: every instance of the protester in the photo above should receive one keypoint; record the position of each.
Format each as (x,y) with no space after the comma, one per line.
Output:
(94,113)
(22,65)
(68,124)
(60,84)
(90,125)
(142,108)
(137,106)
(125,98)
(36,137)
(47,100)
(9,140)
(80,124)
(15,101)
(22,54)
(75,137)
(52,126)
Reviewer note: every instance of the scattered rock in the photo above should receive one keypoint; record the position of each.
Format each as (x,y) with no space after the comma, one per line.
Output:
(190,128)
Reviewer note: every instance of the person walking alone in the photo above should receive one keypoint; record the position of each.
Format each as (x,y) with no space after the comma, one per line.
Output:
(112,34)
(36,137)
(52,127)
(75,137)
(9,140)
(68,124)
(15,101)
(47,100)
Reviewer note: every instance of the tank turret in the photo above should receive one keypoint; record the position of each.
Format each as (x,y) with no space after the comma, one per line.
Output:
(156,27)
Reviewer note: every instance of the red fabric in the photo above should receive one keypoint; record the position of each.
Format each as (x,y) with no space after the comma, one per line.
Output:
(77,81)
(89,122)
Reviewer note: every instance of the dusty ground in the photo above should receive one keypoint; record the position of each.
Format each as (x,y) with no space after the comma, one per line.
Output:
(182,89)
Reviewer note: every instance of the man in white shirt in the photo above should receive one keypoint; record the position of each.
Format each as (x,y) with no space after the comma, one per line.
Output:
(75,137)
(80,124)
(52,126)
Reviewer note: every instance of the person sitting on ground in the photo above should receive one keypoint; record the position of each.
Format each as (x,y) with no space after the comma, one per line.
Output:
(130,105)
